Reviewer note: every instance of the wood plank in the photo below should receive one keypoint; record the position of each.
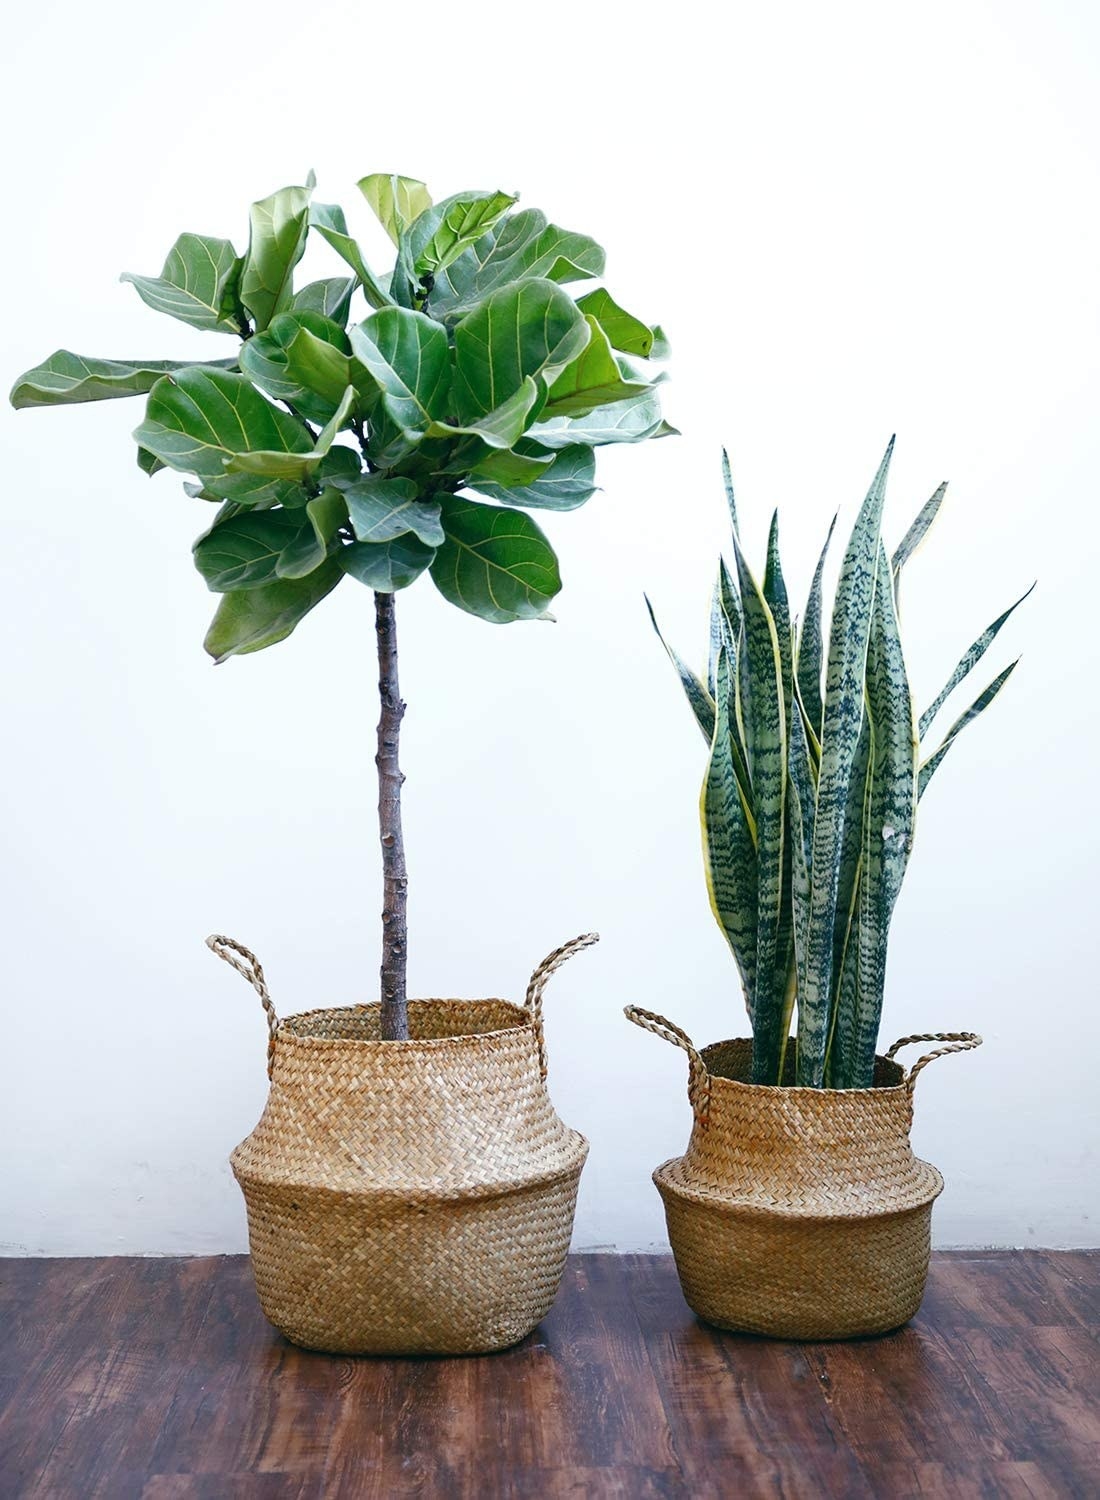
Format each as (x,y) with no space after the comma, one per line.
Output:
(127,1379)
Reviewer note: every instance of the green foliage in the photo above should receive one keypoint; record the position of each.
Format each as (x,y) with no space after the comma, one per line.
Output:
(345,438)
(811,790)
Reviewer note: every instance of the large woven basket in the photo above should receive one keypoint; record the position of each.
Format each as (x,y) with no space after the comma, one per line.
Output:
(408,1197)
(797,1212)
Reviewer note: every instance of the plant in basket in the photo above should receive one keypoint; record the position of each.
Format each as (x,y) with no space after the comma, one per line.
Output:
(409,1187)
(799,1208)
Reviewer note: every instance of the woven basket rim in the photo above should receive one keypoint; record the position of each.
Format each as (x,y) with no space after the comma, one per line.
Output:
(756,1209)
(798,1090)
(523,1022)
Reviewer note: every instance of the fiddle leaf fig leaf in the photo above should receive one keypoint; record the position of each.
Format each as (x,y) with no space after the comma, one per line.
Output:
(567,482)
(522,247)
(65,378)
(278,463)
(326,514)
(629,421)
(387,566)
(381,509)
(302,358)
(250,619)
(593,379)
(624,331)
(409,356)
(396,201)
(440,234)
(198,419)
(278,226)
(198,285)
(329,221)
(507,469)
(149,463)
(331,298)
(494,563)
(520,334)
(243,551)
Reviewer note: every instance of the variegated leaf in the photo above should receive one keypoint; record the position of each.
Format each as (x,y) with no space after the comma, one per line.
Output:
(966,665)
(916,534)
(842,720)
(764,717)
(810,650)
(702,704)
(889,820)
(729,847)
(980,704)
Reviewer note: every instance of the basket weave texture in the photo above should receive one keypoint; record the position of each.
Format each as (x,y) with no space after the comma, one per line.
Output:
(409,1197)
(798,1212)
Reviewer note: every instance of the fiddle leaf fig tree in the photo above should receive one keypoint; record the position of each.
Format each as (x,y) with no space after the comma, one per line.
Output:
(378,427)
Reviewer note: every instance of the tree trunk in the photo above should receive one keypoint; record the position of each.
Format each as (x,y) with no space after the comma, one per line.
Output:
(395,1024)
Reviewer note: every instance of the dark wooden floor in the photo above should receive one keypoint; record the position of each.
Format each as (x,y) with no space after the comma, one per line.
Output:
(160,1379)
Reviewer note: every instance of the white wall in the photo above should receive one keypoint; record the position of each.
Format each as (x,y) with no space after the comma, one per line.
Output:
(851,219)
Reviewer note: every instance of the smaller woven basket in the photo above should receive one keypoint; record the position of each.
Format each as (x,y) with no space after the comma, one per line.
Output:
(799,1213)
(408,1197)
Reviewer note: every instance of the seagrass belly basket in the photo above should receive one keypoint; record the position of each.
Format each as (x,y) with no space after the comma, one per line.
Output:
(801,1213)
(408,1197)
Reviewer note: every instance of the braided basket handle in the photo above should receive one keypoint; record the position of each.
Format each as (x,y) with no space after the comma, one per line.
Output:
(538,981)
(959,1041)
(698,1073)
(248,966)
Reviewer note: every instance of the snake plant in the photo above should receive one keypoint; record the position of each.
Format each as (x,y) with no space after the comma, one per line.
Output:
(817,765)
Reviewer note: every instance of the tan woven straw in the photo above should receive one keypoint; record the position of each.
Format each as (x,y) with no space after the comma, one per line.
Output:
(408,1197)
(797,1212)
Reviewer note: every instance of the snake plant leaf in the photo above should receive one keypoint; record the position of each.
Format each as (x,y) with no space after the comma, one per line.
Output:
(966,665)
(243,551)
(801,799)
(981,703)
(592,379)
(396,201)
(624,331)
(523,333)
(65,379)
(198,418)
(630,421)
(329,221)
(916,534)
(842,720)
(199,284)
(495,563)
(521,247)
(775,596)
(810,650)
(701,702)
(278,226)
(251,619)
(567,481)
(719,634)
(731,499)
(330,297)
(761,680)
(381,509)
(729,843)
(276,463)
(440,234)
(409,356)
(387,566)
(889,822)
